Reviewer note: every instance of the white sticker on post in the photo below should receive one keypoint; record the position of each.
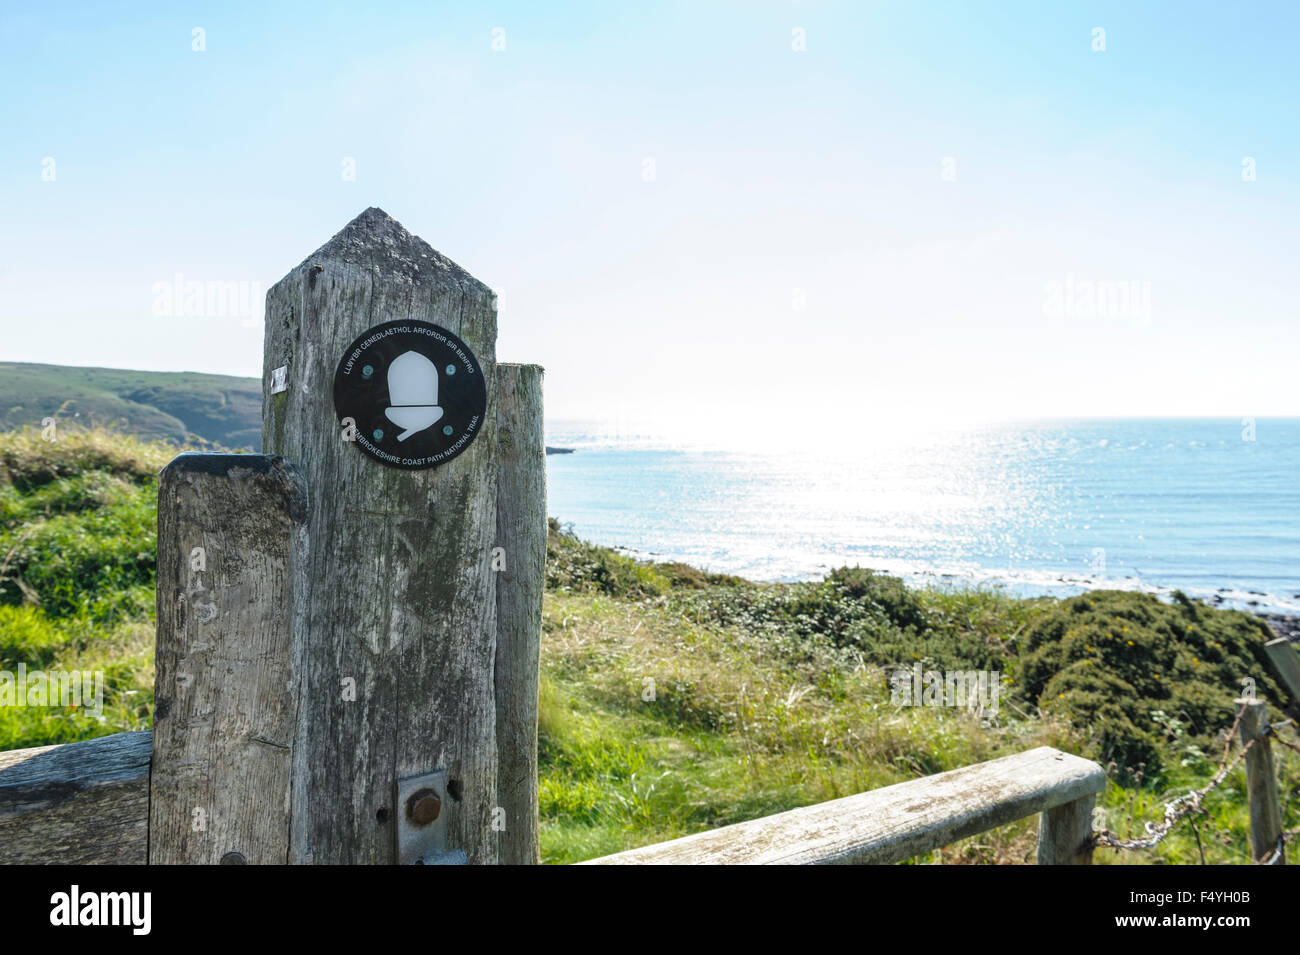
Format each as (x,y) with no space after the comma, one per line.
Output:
(279,379)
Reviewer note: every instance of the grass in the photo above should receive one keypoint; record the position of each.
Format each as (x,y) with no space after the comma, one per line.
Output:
(739,726)
(653,727)
(674,701)
(77,553)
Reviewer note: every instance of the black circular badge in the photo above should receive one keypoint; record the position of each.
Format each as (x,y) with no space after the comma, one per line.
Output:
(410,394)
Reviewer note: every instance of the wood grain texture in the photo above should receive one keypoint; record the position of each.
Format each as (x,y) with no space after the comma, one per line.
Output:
(1261,781)
(1065,833)
(521,537)
(399,590)
(76,803)
(890,824)
(231,534)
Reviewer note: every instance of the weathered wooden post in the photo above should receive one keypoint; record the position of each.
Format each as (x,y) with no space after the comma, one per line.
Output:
(1261,782)
(381,384)
(231,542)
(521,574)
(1065,833)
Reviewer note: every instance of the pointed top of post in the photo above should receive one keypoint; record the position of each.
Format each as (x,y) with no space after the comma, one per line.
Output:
(375,241)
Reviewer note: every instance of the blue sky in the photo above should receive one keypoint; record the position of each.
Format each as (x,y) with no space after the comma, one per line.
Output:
(882,224)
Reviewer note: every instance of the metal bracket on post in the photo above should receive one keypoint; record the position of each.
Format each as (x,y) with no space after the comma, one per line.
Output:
(422,823)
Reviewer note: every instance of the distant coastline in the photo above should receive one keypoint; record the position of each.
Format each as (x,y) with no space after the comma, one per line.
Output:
(1203,506)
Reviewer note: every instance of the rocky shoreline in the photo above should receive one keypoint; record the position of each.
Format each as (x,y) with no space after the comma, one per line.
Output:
(1284,625)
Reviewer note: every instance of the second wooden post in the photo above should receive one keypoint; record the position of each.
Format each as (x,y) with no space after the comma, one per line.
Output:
(1261,782)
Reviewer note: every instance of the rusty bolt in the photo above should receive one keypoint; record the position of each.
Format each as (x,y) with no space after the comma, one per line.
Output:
(423,807)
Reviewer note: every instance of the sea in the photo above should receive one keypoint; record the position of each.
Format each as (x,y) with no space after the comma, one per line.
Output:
(1207,506)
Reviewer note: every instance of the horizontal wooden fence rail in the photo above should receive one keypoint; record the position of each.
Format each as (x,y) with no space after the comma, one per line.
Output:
(77,802)
(89,802)
(905,820)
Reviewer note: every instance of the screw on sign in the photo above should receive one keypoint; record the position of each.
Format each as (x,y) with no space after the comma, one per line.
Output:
(416,392)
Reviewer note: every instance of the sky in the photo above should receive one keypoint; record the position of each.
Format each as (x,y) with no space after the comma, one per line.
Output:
(792,218)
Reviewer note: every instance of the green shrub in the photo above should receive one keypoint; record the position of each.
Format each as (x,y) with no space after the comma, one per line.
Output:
(685,577)
(1108,660)
(899,603)
(1109,710)
(573,565)
(29,637)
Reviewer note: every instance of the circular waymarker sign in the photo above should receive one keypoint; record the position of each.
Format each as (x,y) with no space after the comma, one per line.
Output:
(410,394)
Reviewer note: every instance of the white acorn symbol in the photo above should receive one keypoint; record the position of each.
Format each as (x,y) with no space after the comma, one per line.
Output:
(413,391)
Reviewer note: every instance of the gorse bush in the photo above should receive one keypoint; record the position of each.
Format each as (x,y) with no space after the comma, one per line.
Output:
(1108,660)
